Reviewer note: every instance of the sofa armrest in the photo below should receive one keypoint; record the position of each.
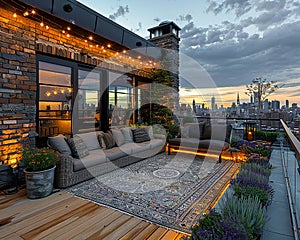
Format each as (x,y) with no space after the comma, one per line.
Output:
(160,136)
(63,170)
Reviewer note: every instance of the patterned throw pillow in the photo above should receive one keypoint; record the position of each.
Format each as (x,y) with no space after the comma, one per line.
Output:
(78,147)
(109,140)
(140,135)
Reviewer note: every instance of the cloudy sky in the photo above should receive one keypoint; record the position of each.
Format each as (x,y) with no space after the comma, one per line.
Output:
(235,41)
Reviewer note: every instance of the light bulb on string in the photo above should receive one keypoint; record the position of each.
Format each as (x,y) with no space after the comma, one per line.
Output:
(15,15)
(26,13)
(33,11)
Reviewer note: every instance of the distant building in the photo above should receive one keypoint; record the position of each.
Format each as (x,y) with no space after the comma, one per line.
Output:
(213,103)
(287,104)
(275,105)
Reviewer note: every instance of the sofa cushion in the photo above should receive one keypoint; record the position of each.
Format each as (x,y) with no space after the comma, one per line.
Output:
(94,158)
(157,143)
(118,136)
(109,140)
(196,143)
(114,153)
(90,140)
(127,133)
(140,135)
(139,147)
(59,143)
(78,147)
(220,132)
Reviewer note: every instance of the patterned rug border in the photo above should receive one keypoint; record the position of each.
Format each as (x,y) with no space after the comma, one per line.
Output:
(190,208)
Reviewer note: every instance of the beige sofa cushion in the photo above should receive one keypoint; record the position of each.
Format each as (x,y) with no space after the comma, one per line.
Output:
(94,158)
(90,139)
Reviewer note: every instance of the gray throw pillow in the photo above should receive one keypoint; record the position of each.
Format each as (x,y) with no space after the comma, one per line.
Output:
(118,136)
(140,135)
(109,140)
(127,133)
(78,147)
(59,143)
(100,137)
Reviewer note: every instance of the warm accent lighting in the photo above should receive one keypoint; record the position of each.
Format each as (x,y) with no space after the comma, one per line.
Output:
(25,14)
(42,24)
(108,45)
(91,38)
(68,28)
(15,15)
(33,11)
(48,94)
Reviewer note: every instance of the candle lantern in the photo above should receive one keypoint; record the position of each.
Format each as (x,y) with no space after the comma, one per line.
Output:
(249,130)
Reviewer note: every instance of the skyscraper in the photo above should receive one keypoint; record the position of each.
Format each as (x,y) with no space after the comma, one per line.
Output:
(213,103)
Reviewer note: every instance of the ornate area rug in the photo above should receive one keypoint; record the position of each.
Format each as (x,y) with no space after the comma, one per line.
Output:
(169,191)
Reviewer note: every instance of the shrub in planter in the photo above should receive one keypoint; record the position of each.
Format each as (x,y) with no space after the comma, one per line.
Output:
(40,164)
(257,168)
(213,227)
(246,211)
(253,191)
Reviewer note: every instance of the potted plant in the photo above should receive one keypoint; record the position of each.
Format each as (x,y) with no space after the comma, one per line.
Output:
(39,172)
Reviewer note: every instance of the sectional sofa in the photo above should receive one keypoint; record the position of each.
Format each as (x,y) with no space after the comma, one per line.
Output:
(100,159)
(202,137)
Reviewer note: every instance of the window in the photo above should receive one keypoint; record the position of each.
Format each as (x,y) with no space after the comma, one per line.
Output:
(87,100)
(121,100)
(55,99)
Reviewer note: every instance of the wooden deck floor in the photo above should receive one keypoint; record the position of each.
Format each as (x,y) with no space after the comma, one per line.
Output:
(63,216)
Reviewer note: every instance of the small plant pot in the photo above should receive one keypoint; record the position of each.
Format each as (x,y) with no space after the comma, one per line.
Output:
(39,184)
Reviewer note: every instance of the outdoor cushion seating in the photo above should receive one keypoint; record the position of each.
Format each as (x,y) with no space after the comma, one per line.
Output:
(202,137)
(101,159)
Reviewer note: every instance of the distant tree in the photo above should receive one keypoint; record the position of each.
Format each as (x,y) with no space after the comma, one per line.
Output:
(261,88)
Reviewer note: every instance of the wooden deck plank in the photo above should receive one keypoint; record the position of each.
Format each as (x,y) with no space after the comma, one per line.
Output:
(118,233)
(59,222)
(63,216)
(157,234)
(170,235)
(114,226)
(102,223)
(26,206)
(135,231)
(84,223)
(25,224)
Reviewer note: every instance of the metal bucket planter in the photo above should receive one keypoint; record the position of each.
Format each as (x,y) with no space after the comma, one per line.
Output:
(39,184)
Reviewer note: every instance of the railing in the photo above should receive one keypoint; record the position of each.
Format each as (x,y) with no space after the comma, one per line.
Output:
(289,163)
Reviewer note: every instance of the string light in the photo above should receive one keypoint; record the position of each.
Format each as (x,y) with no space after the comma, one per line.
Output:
(15,15)
(108,45)
(47,27)
(68,28)
(91,38)
(85,40)
(25,14)
(33,11)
